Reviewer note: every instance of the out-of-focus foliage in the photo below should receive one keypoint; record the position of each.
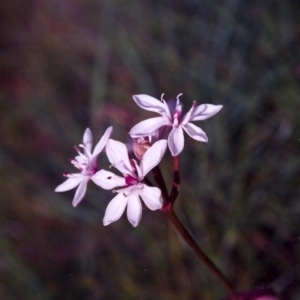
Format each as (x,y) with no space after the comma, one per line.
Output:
(66,65)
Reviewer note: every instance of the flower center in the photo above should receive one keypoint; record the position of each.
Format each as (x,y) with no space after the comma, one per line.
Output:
(83,162)
(176,110)
(131,180)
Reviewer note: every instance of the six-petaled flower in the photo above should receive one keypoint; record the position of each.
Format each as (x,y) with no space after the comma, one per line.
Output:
(133,187)
(172,117)
(86,162)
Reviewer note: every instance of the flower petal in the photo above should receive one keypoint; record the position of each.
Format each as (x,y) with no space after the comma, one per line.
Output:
(151,197)
(102,143)
(87,140)
(176,141)
(80,192)
(134,209)
(148,126)
(69,184)
(186,118)
(115,209)
(149,103)
(153,156)
(205,111)
(108,180)
(118,156)
(195,132)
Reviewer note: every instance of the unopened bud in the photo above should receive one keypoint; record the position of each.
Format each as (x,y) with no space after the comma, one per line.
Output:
(140,146)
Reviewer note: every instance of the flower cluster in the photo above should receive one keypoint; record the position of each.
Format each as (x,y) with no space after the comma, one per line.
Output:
(149,146)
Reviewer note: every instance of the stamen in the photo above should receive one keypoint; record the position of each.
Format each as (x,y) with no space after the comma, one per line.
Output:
(162,97)
(77,149)
(71,175)
(179,96)
(133,163)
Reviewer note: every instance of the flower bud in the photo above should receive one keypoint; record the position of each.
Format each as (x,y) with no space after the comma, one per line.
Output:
(140,146)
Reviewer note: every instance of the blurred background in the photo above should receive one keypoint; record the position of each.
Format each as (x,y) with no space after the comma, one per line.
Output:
(67,65)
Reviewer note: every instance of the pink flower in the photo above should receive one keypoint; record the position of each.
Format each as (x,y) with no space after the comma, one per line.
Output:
(86,162)
(132,182)
(171,116)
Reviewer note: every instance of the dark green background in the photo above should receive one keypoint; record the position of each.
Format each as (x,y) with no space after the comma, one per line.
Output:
(66,65)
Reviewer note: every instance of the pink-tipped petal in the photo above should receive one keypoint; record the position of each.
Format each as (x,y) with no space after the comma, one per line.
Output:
(102,143)
(87,140)
(69,184)
(115,209)
(107,180)
(176,141)
(118,156)
(195,132)
(151,197)
(80,192)
(205,111)
(148,126)
(153,156)
(149,103)
(134,209)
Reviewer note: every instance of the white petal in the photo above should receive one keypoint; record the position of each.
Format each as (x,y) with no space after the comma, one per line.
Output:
(195,132)
(187,116)
(134,209)
(205,111)
(80,192)
(151,197)
(107,180)
(87,140)
(176,141)
(149,103)
(153,156)
(69,184)
(102,143)
(148,126)
(115,209)
(118,156)
(167,111)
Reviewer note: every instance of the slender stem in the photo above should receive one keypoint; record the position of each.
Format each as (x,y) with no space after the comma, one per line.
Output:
(201,255)
(159,179)
(168,209)
(176,180)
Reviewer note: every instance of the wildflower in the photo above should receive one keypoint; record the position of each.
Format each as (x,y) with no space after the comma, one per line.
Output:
(171,116)
(132,182)
(86,162)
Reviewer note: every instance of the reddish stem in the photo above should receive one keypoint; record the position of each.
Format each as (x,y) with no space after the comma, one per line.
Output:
(201,255)
(159,179)
(176,181)
(168,209)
